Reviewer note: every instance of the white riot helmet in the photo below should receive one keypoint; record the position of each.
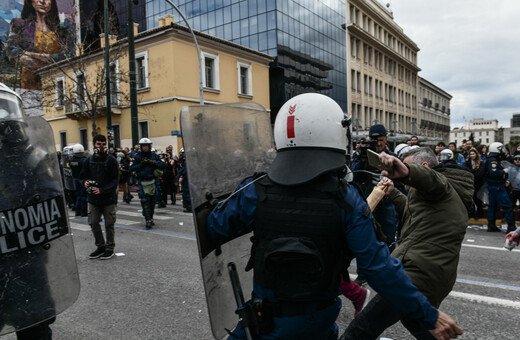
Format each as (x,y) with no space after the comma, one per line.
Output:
(310,137)
(445,155)
(496,149)
(400,148)
(78,148)
(144,141)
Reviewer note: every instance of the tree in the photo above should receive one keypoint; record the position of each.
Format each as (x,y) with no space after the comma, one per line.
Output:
(514,142)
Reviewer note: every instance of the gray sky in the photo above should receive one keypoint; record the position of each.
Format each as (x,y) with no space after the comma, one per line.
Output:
(470,49)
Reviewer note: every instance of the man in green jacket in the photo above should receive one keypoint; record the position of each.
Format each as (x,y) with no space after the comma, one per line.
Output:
(434,217)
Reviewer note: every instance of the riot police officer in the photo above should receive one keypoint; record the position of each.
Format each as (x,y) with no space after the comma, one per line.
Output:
(31,248)
(76,163)
(496,175)
(308,224)
(144,164)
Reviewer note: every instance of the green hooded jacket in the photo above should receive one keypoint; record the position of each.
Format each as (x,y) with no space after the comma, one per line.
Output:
(434,218)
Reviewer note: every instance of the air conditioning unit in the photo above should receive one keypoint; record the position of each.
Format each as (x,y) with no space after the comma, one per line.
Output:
(425,101)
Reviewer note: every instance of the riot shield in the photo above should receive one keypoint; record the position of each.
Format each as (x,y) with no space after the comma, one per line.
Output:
(68,179)
(223,144)
(38,273)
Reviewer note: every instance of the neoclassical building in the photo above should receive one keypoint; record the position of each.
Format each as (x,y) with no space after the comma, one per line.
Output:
(434,112)
(382,68)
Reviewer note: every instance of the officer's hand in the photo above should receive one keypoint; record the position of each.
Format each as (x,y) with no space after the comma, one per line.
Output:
(445,327)
(388,183)
(85,184)
(398,169)
(506,170)
(96,191)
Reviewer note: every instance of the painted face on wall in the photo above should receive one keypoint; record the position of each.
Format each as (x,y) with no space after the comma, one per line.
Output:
(42,6)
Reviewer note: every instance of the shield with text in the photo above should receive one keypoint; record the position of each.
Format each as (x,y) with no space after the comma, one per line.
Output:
(38,272)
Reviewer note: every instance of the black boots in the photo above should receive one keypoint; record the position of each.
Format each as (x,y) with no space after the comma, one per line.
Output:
(492,228)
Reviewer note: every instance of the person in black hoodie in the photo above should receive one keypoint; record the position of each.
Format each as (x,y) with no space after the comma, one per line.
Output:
(100,176)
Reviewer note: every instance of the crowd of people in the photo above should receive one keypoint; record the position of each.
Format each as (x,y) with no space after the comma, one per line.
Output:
(490,191)
(157,175)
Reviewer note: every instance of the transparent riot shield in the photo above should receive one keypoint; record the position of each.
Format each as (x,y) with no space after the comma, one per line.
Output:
(38,273)
(224,144)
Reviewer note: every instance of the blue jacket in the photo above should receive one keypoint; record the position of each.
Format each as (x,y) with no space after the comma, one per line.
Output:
(494,173)
(144,170)
(514,177)
(383,272)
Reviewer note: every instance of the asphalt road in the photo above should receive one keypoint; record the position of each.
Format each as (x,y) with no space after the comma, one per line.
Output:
(153,288)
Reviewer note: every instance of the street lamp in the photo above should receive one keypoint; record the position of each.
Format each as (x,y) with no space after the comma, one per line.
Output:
(201,87)
(107,78)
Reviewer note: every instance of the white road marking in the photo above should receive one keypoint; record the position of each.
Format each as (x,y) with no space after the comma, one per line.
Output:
(136,214)
(488,247)
(79,226)
(486,299)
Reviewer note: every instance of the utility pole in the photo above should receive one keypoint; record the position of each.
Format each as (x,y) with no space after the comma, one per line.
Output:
(131,60)
(110,136)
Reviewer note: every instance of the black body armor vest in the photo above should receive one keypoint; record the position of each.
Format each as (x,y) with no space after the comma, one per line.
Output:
(299,247)
(75,166)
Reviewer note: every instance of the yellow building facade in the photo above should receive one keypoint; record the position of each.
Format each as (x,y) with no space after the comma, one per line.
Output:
(167,72)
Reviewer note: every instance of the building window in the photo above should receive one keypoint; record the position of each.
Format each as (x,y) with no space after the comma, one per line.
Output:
(141,68)
(144,131)
(245,85)
(211,71)
(117,135)
(60,91)
(63,139)
(81,91)
(114,83)
(83,137)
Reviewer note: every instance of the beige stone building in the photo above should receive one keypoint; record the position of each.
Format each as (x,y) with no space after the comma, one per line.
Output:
(382,68)
(434,113)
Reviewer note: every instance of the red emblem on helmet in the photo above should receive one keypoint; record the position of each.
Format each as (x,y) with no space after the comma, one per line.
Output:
(290,122)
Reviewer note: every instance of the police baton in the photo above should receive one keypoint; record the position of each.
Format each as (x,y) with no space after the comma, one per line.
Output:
(242,310)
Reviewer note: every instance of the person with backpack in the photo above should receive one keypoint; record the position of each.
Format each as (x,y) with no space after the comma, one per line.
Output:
(308,224)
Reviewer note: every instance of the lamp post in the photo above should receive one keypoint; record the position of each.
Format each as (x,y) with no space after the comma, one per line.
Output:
(201,87)
(107,78)
(131,71)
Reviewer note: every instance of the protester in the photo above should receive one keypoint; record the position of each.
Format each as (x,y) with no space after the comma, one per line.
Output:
(384,214)
(457,156)
(100,176)
(475,165)
(430,240)
(439,147)
(169,175)
(482,150)
(323,217)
